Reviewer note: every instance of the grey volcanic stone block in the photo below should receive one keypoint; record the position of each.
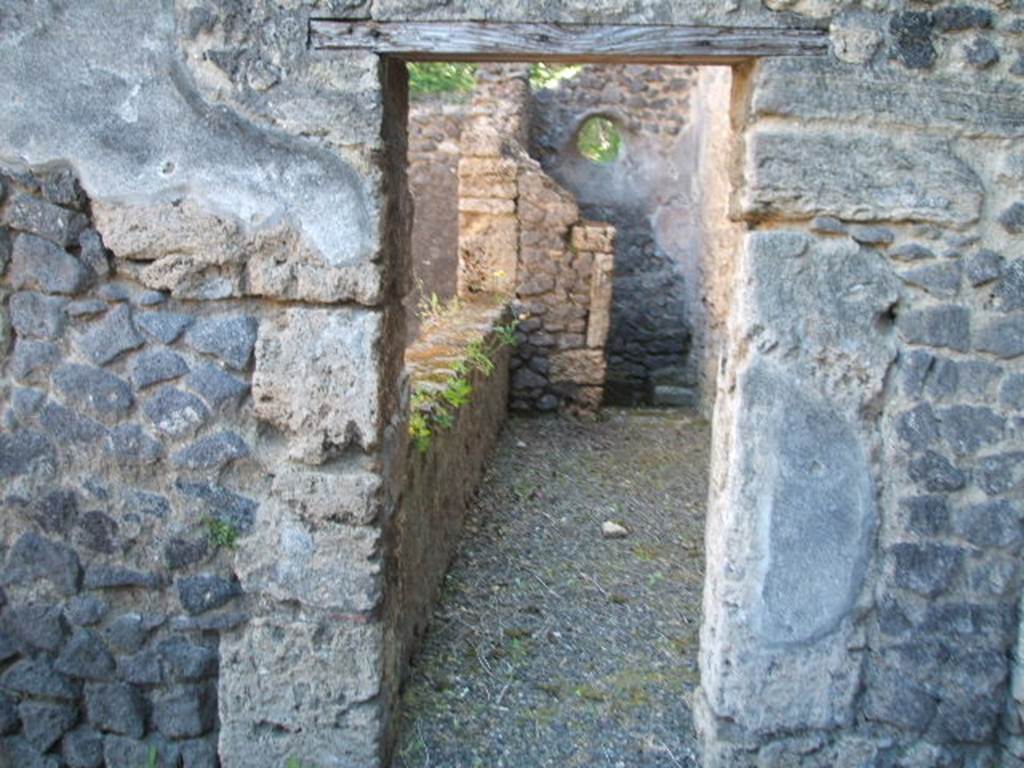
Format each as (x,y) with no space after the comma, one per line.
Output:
(86,657)
(86,610)
(825,225)
(39,264)
(25,403)
(1000,473)
(204,592)
(36,677)
(93,254)
(131,445)
(37,625)
(990,524)
(31,361)
(221,503)
(212,452)
(867,235)
(37,315)
(199,753)
(981,53)
(33,558)
(217,388)
(968,428)
(156,365)
(152,504)
(1008,293)
(99,576)
(23,755)
(218,622)
(8,647)
(30,214)
(83,748)
(23,452)
(984,266)
(122,752)
(64,424)
(128,633)
(1012,218)
(163,326)
(110,337)
(181,553)
(9,722)
(927,569)
(102,393)
(230,339)
(892,699)
(186,661)
(186,712)
(142,668)
(926,515)
(5,250)
(97,531)
(116,708)
(918,427)
(956,18)
(936,474)
(912,252)
(911,34)
(1003,337)
(1011,393)
(940,280)
(945,326)
(86,308)
(43,725)
(175,412)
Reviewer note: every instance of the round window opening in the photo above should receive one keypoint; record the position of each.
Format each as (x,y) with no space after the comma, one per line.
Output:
(599,140)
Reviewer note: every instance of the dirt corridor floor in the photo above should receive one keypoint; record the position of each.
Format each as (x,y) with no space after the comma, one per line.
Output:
(554,645)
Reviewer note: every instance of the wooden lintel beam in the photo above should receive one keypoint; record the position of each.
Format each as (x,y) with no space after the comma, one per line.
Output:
(582,43)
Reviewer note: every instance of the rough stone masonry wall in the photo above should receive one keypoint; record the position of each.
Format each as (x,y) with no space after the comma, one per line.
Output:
(127,438)
(864,527)
(441,479)
(241,362)
(864,517)
(521,233)
(435,129)
(651,194)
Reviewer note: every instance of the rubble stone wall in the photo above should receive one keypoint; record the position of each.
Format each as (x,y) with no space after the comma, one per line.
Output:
(522,234)
(864,523)
(651,194)
(443,474)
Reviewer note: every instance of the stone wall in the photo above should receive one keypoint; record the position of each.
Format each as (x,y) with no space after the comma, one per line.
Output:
(863,544)
(651,193)
(521,233)
(435,130)
(442,475)
(129,465)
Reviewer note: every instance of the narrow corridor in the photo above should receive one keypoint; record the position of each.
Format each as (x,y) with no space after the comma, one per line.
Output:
(553,644)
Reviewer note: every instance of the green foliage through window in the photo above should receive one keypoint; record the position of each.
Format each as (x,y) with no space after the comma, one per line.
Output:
(430,77)
(550,75)
(599,140)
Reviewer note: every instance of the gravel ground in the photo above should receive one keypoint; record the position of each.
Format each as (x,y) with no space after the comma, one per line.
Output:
(553,646)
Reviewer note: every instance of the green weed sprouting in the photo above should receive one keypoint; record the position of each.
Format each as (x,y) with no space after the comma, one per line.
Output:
(220,534)
(507,333)
(434,408)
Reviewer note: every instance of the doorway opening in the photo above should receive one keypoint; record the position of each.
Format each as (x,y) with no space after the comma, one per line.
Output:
(571,254)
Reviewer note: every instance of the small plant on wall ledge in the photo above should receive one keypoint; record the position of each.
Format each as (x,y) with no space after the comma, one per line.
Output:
(434,405)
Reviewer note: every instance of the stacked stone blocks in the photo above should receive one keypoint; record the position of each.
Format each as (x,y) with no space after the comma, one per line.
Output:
(122,433)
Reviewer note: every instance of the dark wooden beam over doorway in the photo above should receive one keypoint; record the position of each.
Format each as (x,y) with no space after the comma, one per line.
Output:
(577,43)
